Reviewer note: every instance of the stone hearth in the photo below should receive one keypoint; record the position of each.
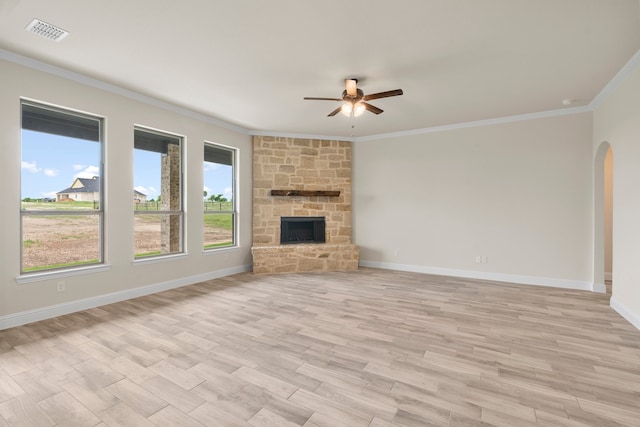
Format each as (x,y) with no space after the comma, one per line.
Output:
(305,165)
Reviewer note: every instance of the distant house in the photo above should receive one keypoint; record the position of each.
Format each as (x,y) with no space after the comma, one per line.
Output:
(82,190)
(138,197)
(88,190)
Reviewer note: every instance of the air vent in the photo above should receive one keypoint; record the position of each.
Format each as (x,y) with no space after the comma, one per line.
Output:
(48,31)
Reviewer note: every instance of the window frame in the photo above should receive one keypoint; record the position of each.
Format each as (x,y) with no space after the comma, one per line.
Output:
(234,199)
(181,212)
(99,212)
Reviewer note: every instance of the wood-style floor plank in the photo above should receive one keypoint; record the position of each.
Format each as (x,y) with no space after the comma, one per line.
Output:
(371,348)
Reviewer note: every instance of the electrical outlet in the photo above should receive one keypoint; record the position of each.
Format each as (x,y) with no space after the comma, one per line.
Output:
(61,286)
(484,260)
(478,259)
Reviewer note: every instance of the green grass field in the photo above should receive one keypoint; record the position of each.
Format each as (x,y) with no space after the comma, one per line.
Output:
(58,206)
(223,221)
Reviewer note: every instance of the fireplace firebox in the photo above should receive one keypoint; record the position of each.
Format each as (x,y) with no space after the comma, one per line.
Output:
(302,229)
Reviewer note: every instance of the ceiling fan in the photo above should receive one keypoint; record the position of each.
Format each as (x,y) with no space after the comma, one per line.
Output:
(354,101)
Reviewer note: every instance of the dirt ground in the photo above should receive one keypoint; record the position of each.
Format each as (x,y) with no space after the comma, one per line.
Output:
(63,239)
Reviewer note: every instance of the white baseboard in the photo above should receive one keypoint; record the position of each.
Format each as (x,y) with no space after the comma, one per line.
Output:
(22,318)
(481,275)
(623,311)
(600,288)
(627,314)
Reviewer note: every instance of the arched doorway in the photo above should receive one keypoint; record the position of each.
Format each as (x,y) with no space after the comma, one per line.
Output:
(603,219)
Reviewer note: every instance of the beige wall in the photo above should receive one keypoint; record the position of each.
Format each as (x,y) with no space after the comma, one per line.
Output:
(617,121)
(519,194)
(608,214)
(121,114)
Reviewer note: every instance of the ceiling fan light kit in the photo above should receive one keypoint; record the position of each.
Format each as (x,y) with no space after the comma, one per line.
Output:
(354,101)
(348,108)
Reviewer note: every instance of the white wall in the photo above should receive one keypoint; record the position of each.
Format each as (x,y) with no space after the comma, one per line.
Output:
(519,194)
(28,301)
(617,121)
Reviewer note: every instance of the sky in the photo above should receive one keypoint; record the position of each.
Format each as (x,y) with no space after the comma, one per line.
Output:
(50,164)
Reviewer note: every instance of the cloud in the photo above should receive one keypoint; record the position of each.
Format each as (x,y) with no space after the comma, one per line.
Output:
(51,172)
(149,192)
(228,192)
(79,167)
(88,172)
(30,166)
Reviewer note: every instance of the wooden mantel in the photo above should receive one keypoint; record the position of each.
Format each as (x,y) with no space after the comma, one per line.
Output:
(305,193)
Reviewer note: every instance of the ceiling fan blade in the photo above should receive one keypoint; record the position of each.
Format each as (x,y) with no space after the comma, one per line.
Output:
(322,99)
(383,94)
(372,108)
(352,87)
(334,112)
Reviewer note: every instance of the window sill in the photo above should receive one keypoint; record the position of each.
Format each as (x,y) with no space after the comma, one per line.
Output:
(220,249)
(158,259)
(56,274)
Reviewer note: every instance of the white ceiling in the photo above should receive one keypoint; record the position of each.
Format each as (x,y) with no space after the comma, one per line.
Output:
(251,62)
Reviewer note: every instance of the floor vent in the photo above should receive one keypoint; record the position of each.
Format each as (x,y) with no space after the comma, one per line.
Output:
(48,31)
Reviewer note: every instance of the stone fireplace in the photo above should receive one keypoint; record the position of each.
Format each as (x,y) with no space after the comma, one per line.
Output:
(303,185)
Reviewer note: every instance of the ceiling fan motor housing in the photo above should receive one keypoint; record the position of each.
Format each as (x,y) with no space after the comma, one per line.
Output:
(348,98)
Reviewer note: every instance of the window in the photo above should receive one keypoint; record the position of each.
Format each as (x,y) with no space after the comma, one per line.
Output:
(219,196)
(61,211)
(157,194)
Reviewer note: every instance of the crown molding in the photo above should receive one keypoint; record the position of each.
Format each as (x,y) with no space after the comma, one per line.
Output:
(301,135)
(117,90)
(479,123)
(616,81)
(624,72)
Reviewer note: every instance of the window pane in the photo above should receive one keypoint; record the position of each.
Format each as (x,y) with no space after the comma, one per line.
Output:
(157,234)
(218,230)
(157,170)
(59,169)
(157,188)
(218,194)
(61,175)
(59,241)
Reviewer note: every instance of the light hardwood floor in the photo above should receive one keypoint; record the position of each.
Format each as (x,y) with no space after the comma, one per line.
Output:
(364,348)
